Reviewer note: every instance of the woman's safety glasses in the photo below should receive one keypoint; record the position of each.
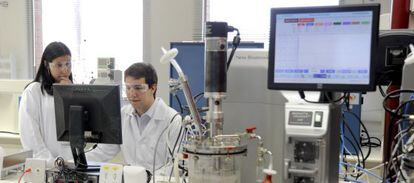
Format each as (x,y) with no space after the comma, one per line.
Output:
(61,66)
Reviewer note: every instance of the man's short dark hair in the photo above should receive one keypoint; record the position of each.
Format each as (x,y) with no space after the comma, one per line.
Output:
(142,70)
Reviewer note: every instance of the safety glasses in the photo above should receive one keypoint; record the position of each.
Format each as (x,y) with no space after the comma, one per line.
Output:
(130,87)
(61,66)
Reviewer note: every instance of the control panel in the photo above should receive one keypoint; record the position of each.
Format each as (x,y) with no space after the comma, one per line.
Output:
(311,143)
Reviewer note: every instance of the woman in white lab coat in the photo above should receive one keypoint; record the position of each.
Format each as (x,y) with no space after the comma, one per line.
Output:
(143,122)
(37,111)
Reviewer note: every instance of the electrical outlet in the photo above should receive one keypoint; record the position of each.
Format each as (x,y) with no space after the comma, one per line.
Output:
(38,172)
(354,98)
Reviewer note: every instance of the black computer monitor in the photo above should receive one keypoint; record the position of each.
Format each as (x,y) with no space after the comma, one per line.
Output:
(329,48)
(87,113)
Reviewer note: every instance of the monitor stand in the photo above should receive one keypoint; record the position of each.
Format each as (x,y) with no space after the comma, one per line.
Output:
(77,118)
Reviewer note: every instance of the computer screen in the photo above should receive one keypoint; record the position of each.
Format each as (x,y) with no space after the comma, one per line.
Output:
(329,48)
(87,113)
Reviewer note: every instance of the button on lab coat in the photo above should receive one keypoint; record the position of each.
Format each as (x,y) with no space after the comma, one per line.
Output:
(38,125)
(137,148)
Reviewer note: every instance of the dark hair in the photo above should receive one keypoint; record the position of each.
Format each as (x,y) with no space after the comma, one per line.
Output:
(142,70)
(43,75)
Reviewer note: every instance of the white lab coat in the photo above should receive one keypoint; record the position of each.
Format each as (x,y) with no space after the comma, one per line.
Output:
(137,148)
(38,125)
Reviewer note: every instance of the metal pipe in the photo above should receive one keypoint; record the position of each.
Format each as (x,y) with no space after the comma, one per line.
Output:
(215,71)
(400,13)
(270,159)
(259,138)
(168,57)
(191,104)
(228,136)
(215,116)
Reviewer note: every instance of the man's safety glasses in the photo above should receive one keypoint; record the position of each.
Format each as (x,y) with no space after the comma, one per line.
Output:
(129,87)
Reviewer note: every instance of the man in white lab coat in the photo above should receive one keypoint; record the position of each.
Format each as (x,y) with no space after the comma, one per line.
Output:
(145,120)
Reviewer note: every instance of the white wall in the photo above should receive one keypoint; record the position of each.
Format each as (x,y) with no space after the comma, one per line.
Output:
(385,4)
(164,22)
(16,35)
(10,91)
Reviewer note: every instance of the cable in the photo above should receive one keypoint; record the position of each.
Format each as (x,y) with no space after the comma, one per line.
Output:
(354,147)
(156,146)
(179,104)
(356,142)
(341,155)
(155,154)
(387,170)
(198,99)
(337,100)
(13,133)
(394,152)
(364,170)
(343,137)
(66,173)
(302,96)
(92,148)
(380,79)
(382,90)
(366,132)
(385,164)
(179,145)
(395,113)
(346,101)
(173,150)
(235,43)
(371,144)
(409,161)
(395,94)
(175,144)
(399,137)
(25,171)
(350,180)
(198,95)
(378,166)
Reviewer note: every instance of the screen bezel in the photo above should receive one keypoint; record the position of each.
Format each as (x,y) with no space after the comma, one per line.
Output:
(103,103)
(375,8)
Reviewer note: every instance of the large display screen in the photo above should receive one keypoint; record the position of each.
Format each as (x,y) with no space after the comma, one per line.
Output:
(323,48)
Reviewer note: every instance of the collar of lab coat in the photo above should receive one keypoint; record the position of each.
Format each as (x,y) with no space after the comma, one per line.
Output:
(154,112)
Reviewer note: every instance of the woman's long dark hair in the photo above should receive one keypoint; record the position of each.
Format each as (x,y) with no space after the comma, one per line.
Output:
(43,75)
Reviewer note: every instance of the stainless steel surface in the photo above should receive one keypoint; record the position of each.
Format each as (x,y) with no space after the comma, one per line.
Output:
(312,149)
(191,105)
(215,116)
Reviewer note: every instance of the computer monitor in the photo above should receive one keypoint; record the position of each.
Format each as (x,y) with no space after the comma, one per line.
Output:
(329,48)
(87,113)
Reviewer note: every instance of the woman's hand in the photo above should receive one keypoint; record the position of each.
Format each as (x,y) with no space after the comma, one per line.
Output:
(65,80)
